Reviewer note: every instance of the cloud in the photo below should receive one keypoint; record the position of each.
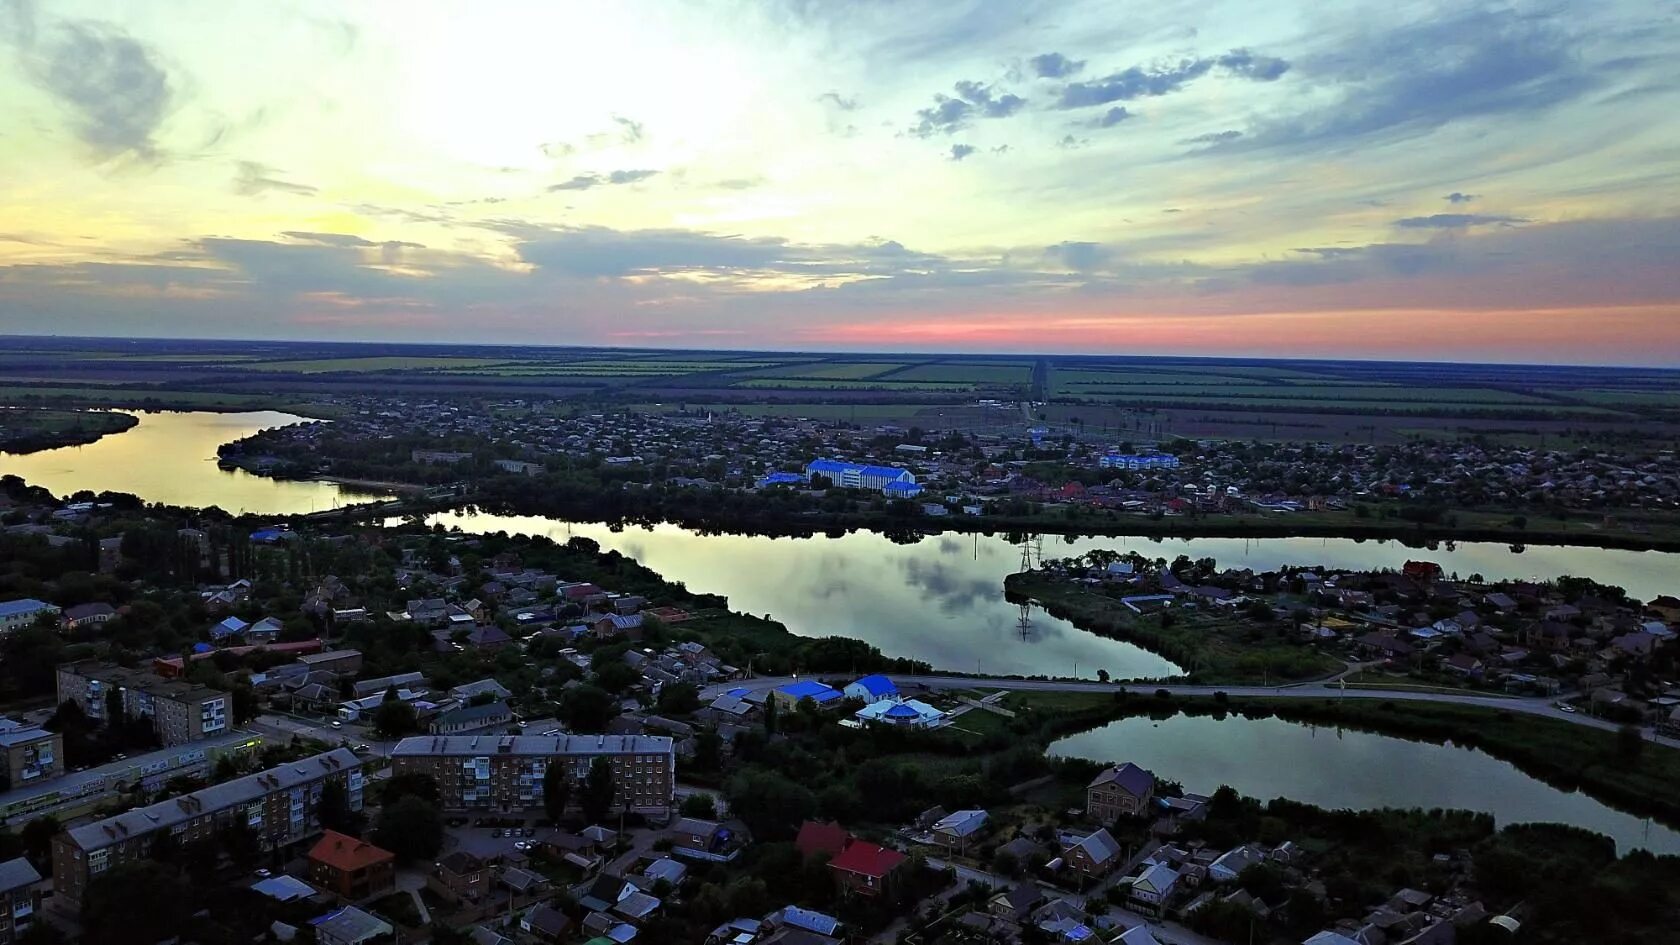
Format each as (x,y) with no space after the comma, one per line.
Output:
(252,178)
(1078,256)
(1241,62)
(1455,221)
(1456,197)
(836,100)
(115,92)
(630,130)
(973,100)
(587,181)
(1212,137)
(1415,77)
(1148,82)
(1055,66)
(1112,117)
(328,239)
(960,151)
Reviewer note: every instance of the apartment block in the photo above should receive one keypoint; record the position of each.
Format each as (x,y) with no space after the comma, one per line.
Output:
(180,711)
(20,898)
(280,805)
(33,755)
(505,772)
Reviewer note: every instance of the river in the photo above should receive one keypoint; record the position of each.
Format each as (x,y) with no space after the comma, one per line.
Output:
(170,457)
(1268,758)
(941,598)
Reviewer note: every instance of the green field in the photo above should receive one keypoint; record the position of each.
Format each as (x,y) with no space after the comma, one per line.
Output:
(830,370)
(1020,374)
(886,385)
(364,365)
(1631,398)
(1389,393)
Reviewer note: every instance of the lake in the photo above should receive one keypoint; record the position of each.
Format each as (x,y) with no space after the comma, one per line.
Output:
(941,598)
(1270,758)
(170,457)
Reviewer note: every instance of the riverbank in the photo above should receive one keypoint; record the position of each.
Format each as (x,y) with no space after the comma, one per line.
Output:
(1213,648)
(32,429)
(1600,763)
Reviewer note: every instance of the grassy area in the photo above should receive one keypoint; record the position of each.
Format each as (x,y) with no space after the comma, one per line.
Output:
(362,365)
(26,429)
(1212,648)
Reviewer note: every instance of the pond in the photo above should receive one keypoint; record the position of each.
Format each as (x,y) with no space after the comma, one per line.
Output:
(1269,758)
(170,457)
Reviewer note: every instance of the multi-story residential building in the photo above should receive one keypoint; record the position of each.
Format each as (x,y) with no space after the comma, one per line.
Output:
(1121,791)
(352,869)
(180,711)
(33,755)
(279,805)
(489,772)
(890,480)
(20,897)
(1134,461)
(17,614)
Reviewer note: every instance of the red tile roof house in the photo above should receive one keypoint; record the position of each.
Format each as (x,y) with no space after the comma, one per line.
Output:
(351,868)
(865,869)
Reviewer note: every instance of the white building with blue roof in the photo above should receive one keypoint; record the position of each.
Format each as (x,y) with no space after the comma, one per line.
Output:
(17,614)
(872,689)
(888,480)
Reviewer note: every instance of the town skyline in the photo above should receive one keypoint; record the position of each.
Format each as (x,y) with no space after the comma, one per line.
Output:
(1442,182)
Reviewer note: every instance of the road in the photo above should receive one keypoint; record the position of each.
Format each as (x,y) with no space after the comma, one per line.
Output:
(1316,690)
(283,727)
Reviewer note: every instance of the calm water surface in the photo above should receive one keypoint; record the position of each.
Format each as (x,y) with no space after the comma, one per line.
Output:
(170,457)
(1268,758)
(941,599)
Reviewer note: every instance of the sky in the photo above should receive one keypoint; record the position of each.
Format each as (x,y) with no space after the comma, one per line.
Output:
(1411,180)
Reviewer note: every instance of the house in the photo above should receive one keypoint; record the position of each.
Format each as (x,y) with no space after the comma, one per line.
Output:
(487,637)
(1121,791)
(266,630)
(349,926)
(957,830)
(228,628)
(912,713)
(350,868)
(1384,645)
(816,837)
(1228,867)
(872,689)
(604,892)
(709,840)
(1155,887)
(865,869)
(546,924)
(492,716)
(1331,938)
(1093,854)
(790,695)
(84,615)
(466,692)
(808,920)
(618,625)
(458,877)
(1016,902)
(17,614)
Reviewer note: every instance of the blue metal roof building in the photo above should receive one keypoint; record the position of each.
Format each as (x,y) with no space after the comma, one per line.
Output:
(858,475)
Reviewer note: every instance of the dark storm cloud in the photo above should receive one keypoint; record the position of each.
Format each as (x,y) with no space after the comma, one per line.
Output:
(252,178)
(1456,197)
(1055,66)
(115,92)
(1150,81)
(1455,221)
(587,181)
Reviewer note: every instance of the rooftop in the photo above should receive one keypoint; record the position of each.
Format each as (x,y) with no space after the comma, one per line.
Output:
(473,745)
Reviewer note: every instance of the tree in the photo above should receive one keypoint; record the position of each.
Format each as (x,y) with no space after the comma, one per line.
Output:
(771,804)
(410,784)
(556,789)
(334,810)
(240,843)
(395,718)
(410,828)
(588,708)
(37,837)
(139,901)
(679,699)
(708,750)
(770,710)
(702,806)
(598,790)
